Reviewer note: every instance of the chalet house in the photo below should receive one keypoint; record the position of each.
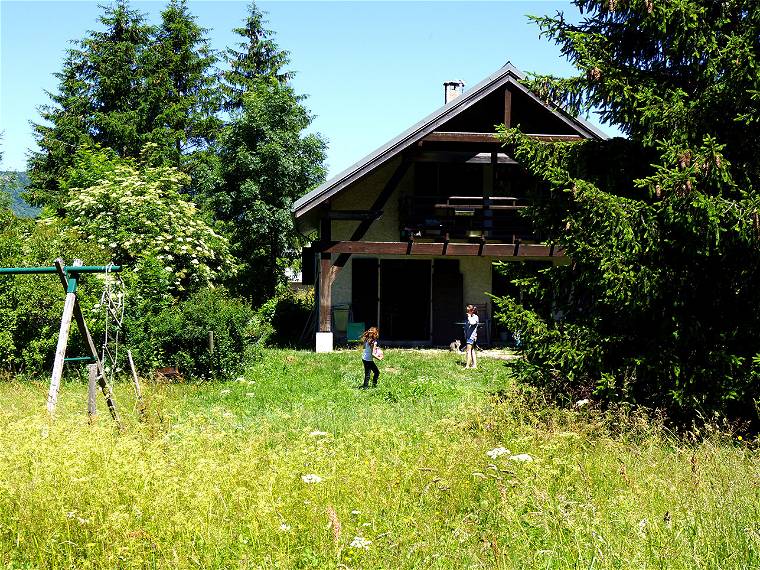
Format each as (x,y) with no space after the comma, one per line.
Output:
(408,236)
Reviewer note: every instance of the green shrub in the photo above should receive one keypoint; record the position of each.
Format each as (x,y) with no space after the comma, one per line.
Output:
(163,331)
(285,316)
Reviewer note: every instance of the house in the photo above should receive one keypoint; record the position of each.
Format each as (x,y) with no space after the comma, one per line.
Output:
(409,234)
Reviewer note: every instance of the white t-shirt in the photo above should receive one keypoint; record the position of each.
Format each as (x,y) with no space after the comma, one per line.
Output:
(472,326)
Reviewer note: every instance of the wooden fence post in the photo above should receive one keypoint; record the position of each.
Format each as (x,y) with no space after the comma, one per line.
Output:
(92,390)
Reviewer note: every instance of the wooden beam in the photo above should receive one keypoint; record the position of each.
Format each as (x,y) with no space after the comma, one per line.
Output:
(448,249)
(353,215)
(327,275)
(378,204)
(441,136)
(465,157)
(508,108)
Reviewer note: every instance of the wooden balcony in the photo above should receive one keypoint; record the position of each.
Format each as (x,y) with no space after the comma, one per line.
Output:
(465,218)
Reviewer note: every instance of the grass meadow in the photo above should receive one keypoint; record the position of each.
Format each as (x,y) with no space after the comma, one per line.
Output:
(292,466)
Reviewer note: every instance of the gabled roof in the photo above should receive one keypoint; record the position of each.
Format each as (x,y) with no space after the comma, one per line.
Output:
(506,75)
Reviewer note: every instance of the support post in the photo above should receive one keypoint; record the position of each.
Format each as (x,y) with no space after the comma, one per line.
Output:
(63,339)
(92,386)
(136,380)
(327,274)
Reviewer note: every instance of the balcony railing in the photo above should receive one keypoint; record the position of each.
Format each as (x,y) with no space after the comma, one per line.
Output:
(465,217)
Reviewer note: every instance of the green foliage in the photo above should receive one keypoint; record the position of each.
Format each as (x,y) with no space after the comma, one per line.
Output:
(31,305)
(136,211)
(125,86)
(267,162)
(257,56)
(661,230)
(99,101)
(176,333)
(181,97)
(285,316)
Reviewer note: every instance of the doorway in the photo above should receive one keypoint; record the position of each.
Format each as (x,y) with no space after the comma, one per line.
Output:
(405,300)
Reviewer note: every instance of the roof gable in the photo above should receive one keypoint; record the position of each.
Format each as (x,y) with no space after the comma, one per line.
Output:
(479,107)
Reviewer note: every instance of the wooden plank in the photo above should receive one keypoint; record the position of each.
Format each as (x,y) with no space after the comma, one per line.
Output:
(92,387)
(353,215)
(444,136)
(60,352)
(136,381)
(448,249)
(464,157)
(78,315)
(508,108)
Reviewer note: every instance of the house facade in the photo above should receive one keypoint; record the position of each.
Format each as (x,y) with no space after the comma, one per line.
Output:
(408,236)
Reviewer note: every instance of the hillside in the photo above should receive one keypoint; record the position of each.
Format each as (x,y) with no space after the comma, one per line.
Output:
(19,206)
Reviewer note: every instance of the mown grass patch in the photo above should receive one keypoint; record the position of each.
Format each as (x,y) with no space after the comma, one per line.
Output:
(217,477)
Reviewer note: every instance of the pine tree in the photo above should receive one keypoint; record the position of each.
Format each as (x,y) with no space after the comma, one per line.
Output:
(267,162)
(257,56)
(98,100)
(662,230)
(181,94)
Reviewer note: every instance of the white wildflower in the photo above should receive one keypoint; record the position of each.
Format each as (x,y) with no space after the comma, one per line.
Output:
(360,542)
(497,451)
(225,392)
(284,527)
(250,394)
(311,478)
(317,433)
(521,457)
(642,526)
(356,512)
(582,403)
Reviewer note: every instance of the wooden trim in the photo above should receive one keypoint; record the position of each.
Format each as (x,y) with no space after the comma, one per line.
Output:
(353,215)
(447,249)
(378,204)
(441,136)
(465,157)
(507,108)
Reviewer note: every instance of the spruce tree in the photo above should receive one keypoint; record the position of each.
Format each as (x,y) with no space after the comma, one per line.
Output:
(257,56)
(98,100)
(181,93)
(662,230)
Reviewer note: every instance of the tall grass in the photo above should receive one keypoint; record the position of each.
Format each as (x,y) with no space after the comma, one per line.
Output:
(215,477)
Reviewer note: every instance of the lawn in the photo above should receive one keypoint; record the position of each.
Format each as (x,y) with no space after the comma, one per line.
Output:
(292,466)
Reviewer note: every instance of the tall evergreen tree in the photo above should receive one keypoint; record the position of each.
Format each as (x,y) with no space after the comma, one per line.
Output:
(98,100)
(267,162)
(256,56)
(662,230)
(181,94)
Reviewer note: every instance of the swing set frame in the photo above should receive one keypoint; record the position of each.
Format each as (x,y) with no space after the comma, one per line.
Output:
(69,276)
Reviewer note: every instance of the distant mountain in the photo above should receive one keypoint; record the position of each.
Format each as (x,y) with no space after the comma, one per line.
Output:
(19,182)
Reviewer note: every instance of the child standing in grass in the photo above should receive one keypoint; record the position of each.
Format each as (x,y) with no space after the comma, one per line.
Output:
(370,352)
(471,336)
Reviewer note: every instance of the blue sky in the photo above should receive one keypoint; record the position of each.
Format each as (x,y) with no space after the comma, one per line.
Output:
(370,69)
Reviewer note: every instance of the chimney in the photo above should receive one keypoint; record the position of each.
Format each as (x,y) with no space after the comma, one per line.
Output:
(452,90)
